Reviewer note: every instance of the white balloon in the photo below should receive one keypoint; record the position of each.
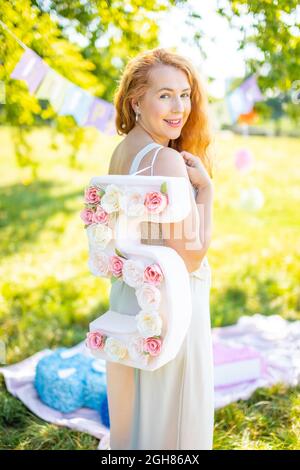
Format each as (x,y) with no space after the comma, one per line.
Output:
(251,199)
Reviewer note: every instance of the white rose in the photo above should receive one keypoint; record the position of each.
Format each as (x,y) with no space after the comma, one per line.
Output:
(110,201)
(115,349)
(133,272)
(149,324)
(98,263)
(148,297)
(135,349)
(99,235)
(132,203)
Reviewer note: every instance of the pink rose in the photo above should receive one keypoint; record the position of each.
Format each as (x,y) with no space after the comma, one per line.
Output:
(100,216)
(87,215)
(91,195)
(116,265)
(155,201)
(95,340)
(152,346)
(153,274)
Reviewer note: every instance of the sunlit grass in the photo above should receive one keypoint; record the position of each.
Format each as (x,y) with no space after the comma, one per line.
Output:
(48,297)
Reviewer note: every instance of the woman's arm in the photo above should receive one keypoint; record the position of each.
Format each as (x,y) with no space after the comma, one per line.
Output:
(204,202)
(201,180)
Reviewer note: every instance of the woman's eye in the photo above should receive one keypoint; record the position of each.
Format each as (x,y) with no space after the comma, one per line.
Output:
(186,94)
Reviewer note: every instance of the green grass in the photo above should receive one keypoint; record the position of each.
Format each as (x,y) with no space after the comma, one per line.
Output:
(48,297)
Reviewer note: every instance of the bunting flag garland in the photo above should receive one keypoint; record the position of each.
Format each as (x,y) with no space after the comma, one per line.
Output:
(242,99)
(251,92)
(65,97)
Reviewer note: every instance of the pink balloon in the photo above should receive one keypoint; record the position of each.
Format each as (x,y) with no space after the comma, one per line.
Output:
(243,159)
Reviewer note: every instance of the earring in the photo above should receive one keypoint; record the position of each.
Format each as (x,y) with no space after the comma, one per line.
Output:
(137,116)
(123,125)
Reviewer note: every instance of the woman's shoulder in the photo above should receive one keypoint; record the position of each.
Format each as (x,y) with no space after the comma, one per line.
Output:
(170,162)
(118,158)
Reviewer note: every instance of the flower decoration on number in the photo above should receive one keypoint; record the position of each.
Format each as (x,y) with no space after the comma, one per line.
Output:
(147,342)
(103,203)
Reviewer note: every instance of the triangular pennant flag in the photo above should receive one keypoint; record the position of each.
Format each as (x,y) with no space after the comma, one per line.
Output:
(77,103)
(53,88)
(99,114)
(30,68)
(242,99)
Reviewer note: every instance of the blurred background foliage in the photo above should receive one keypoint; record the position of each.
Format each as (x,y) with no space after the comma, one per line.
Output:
(90,42)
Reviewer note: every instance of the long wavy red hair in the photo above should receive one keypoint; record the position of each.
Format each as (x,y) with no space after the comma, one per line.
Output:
(195,136)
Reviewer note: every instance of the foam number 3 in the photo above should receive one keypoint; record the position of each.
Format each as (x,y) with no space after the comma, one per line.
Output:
(115,207)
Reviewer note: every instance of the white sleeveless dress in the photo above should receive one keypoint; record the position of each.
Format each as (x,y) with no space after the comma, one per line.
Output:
(172,407)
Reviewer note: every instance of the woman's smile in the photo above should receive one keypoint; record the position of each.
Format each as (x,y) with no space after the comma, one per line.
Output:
(174,122)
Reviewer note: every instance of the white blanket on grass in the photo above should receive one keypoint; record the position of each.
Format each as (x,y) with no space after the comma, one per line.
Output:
(276,339)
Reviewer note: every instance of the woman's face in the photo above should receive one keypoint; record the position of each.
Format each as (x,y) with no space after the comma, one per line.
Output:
(167,98)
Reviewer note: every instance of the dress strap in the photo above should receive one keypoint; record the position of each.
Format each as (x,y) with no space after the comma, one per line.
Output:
(140,155)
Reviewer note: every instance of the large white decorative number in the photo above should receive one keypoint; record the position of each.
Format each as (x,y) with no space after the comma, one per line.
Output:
(115,207)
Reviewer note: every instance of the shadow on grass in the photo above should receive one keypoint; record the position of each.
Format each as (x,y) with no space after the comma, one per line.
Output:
(24,210)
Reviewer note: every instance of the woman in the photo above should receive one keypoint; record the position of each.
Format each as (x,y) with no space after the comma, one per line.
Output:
(160,100)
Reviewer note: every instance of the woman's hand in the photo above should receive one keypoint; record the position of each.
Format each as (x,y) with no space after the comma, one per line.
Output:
(196,170)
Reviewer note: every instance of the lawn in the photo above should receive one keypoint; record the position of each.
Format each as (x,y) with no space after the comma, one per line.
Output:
(48,297)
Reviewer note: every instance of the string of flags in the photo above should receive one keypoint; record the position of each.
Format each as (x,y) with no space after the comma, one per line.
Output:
(238,105)
(242,99)
(65,97)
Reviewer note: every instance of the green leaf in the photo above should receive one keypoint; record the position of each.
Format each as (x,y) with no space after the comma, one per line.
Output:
(119,253)
(163,187)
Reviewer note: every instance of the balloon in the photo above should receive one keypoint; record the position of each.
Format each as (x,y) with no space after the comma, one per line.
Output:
(243,159)
(251,199)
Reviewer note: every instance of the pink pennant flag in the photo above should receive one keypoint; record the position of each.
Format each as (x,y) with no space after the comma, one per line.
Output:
(100,116)
(30,68)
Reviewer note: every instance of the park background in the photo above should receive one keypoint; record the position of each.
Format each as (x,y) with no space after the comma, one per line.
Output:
(47,294)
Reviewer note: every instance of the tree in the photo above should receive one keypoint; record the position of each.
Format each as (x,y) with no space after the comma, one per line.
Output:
(274,30)
(110,33)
